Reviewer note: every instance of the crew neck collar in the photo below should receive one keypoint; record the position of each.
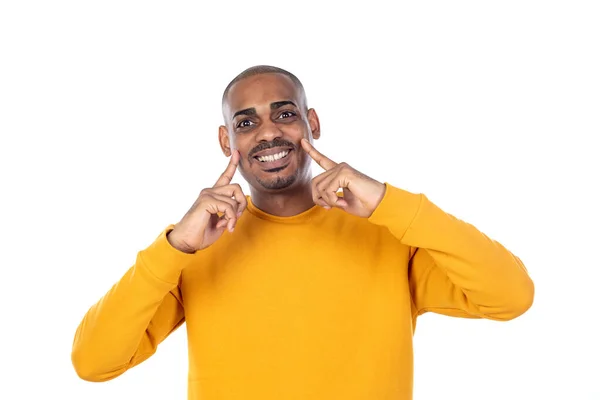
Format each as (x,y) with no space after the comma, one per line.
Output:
(304,216)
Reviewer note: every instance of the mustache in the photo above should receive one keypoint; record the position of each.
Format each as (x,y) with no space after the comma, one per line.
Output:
(269,145)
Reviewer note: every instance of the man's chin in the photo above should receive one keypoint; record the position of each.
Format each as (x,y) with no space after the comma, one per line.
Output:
(277,182)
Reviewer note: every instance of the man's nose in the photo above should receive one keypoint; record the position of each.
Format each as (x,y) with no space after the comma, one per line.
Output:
(268,132)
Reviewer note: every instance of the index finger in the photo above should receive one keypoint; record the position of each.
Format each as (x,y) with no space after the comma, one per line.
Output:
(323,161)
(227,176)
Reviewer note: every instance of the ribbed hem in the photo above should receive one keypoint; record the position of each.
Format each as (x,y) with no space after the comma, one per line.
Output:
(164,261)
(397,210)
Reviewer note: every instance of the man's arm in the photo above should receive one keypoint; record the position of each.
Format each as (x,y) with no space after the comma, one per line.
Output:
(127,324)
(454,268)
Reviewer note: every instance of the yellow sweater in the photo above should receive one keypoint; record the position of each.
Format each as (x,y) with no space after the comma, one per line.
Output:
(321,305)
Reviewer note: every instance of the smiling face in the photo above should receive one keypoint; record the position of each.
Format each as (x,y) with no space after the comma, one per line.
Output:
(265,120)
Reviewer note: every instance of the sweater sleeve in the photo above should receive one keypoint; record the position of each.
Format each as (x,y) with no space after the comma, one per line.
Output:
(454,269)
(127,324)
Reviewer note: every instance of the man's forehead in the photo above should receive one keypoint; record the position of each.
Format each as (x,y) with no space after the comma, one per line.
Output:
(261,90)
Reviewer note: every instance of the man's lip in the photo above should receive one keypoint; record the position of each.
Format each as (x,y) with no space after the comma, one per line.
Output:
(271,151)
(277,165)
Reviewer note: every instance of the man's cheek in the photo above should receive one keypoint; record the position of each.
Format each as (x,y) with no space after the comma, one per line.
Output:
(242,164)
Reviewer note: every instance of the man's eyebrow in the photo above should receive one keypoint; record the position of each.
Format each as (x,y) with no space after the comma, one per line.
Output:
(274,106)
(279,104)
(247,111)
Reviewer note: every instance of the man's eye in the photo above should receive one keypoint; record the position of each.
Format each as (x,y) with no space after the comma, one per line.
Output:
(287,114)
(245,123)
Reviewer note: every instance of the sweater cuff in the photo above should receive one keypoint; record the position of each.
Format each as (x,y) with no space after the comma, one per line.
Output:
(397,210)
(164,261)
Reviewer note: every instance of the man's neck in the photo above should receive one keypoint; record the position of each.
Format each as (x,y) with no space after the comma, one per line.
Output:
(286,204)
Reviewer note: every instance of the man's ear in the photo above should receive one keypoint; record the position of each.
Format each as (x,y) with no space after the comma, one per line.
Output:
(313,122)
(224,140)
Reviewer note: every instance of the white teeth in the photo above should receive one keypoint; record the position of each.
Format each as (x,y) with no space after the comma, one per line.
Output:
(273,157)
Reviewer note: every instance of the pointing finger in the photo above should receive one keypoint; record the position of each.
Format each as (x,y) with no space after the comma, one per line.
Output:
(323,161)
(227,176)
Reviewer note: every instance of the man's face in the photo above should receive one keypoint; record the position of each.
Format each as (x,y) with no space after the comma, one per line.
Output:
(266,118)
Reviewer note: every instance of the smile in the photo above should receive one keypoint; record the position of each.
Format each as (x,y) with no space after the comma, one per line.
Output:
(274,160)
(273,157)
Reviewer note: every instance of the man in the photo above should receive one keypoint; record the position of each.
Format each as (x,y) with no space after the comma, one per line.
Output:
(298,291)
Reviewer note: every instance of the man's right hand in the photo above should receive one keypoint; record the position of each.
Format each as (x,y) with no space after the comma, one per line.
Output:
(201,226)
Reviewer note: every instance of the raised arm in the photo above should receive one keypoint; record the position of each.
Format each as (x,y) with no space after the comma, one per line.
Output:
(455,269)
(127,324)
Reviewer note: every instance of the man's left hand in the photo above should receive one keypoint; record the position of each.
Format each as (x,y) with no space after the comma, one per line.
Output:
(361,194)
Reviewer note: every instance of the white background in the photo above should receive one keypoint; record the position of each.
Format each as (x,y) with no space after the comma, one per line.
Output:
(109,113)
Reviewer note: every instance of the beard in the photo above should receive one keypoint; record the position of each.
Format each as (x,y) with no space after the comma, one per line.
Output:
(279,182)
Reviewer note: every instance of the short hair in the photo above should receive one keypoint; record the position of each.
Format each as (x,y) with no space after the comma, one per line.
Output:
(264,69)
